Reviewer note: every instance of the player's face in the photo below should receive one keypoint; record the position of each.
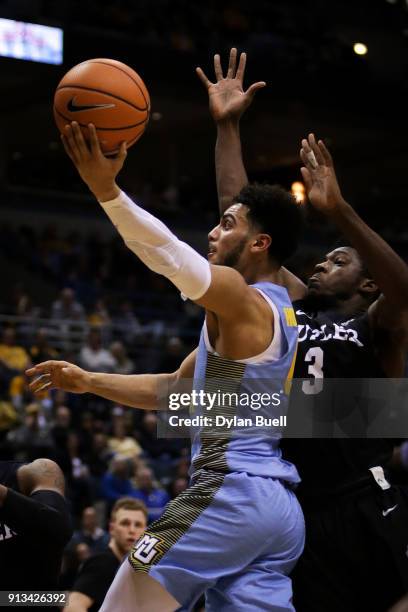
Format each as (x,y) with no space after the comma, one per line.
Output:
(228,241)
(338,277)
(127,527)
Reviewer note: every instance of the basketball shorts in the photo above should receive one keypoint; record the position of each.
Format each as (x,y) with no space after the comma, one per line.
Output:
(234,536)
(356,552)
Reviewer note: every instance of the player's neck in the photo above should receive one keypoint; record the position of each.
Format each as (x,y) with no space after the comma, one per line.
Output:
(261,271)
(352,306)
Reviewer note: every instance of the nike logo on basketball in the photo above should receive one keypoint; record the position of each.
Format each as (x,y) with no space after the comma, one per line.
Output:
(385,512)
(74,108)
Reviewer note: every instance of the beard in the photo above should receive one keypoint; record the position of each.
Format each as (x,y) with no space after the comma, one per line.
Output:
(231,259)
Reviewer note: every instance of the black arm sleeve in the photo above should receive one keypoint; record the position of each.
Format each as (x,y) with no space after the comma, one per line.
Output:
(43,513)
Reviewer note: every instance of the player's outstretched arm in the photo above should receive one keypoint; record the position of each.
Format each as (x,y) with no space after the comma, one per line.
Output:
(138,390)
(223,291)
(228,101)
(388,270)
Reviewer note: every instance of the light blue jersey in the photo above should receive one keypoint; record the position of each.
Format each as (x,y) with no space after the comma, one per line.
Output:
(244,447)
(236,533)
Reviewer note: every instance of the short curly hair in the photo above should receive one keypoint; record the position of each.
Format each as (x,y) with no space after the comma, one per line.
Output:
(273,210)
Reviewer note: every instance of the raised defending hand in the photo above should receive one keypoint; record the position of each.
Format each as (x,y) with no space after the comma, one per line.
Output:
(58,375)
(227,98)
(96,170)
(319,176)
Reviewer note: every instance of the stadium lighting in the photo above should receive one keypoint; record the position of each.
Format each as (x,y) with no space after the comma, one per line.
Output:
(360,48)
(298,191)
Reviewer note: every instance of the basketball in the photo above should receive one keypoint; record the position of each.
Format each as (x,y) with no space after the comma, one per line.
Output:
(108,94)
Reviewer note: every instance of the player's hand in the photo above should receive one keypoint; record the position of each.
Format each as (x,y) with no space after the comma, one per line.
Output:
(58,375)
(318,174)
(96,170)
(227,98)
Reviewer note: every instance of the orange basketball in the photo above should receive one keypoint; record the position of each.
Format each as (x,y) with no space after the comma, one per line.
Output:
(108,94)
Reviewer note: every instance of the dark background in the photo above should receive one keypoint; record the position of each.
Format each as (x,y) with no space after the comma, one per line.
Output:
(303,50)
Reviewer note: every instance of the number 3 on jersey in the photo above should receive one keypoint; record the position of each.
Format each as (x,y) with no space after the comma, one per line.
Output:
(314,355)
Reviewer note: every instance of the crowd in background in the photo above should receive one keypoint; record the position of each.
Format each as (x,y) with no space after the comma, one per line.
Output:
(97,321)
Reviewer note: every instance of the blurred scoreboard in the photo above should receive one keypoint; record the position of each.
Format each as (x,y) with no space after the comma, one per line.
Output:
(31,41)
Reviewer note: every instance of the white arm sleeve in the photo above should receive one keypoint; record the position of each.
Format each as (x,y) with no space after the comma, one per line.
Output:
(158,247)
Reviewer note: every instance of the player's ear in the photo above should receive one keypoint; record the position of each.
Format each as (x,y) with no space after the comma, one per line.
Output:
(261,242)
(368,287)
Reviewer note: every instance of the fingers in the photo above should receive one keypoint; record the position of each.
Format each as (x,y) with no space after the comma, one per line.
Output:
(70,145)
(40,384)
(241,68)
(308,158)
(94,140)
(68,149)
(43,367)
(251,91)
(80,140)
(307,179)
(232,63)
(121,156)
(328,160)
(76,142)
(217,67)
(203,78)
(316,150)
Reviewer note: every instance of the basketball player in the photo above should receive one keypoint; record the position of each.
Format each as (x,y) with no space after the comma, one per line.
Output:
(35,525)
(356,523)
(127,522)
(237,531)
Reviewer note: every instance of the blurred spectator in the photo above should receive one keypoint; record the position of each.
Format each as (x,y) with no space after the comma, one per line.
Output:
(178,486)
(61,427)
(41,349)
(33,438)
(99,455)
(66,307)
(77,472)
(121,444)
(154,498)
(83,552)
(93,356)
(24,307)
(85,431)
(90,532)
(175,352)
(13,355)
(8,419)
(183,466)
(153,446)
(117,483)
(99,316)
(126,323)
(127,523)
(123,364)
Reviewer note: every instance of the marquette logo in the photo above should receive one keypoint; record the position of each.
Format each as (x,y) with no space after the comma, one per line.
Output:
(145,550)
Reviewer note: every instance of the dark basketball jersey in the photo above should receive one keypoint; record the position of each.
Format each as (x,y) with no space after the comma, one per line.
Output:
(332,346)
(31,560)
